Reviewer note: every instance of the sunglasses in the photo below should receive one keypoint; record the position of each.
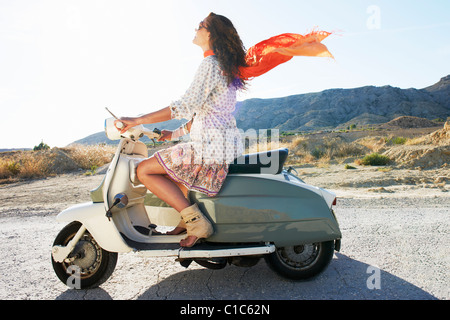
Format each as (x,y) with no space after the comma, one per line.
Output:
(200,26)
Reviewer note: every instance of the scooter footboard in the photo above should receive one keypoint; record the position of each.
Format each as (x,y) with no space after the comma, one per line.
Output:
(92,216)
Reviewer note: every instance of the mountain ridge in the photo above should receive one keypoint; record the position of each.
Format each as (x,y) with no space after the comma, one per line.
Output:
(334,108)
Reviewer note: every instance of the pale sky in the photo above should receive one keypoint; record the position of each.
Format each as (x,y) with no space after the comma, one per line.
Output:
(62,62)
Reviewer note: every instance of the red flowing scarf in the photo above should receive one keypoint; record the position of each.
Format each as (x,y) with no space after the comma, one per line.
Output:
(272,52)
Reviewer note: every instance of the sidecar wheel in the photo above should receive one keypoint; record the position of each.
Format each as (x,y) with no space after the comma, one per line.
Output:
(301,262)
(88,261)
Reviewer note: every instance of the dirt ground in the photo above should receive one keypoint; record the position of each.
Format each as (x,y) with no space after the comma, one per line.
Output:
(366,181)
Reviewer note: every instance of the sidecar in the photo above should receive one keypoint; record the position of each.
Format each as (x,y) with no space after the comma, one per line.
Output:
(262,202)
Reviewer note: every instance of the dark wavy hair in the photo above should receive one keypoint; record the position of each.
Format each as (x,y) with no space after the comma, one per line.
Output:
(228,48)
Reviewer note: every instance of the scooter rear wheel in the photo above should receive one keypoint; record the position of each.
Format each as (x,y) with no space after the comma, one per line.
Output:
(88,266)
(301,262)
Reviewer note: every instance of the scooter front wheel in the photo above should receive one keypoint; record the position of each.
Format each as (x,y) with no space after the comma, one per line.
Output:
(88,265)
(301,262)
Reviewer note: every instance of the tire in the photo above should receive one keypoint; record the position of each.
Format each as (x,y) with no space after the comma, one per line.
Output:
(301,262)
(91,265)
(213,263)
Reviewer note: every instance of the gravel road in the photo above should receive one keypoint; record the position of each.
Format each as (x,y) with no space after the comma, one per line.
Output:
(393,247)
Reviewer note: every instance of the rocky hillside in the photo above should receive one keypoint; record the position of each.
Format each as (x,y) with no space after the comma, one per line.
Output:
(431,151)
(337,108)
(411,122)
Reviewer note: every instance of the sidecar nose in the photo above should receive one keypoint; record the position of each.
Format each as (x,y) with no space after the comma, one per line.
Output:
(329,197)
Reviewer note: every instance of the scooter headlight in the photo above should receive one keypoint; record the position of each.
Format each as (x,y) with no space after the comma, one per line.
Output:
(110,129)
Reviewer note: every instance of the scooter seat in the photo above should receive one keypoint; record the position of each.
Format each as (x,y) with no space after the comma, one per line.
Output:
(271,162)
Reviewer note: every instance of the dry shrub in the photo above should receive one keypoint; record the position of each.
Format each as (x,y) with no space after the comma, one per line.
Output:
(35,164)
(88,157)
(27,164)
(349,150)
(298,142)
(5,168)
(417,141)
(260,146)
(323,150)
(375,144)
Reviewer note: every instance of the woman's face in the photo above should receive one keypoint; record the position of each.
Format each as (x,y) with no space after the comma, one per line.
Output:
(202,35)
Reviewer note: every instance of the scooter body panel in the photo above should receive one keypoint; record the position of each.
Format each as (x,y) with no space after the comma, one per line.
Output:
(92,216)
(267,209)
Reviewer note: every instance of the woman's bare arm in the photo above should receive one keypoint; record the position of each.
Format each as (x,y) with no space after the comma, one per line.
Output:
(152,117)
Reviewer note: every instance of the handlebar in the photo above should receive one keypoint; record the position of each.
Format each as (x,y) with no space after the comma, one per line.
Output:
(135,133)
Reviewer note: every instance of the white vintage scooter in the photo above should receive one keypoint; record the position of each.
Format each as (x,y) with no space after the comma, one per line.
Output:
(262,210)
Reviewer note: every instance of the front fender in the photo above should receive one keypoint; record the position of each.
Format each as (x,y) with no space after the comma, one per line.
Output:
(92,216)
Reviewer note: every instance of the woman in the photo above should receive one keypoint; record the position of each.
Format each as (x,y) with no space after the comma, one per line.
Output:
(202,163)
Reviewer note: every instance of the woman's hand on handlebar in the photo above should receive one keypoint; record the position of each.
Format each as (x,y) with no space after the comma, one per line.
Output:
(153,117)
(128,123)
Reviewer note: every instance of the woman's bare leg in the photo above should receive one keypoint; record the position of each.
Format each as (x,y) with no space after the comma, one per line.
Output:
(155,178)
(181,227)
(181,186)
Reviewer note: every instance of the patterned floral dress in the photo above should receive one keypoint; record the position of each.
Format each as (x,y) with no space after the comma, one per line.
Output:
(202,163)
